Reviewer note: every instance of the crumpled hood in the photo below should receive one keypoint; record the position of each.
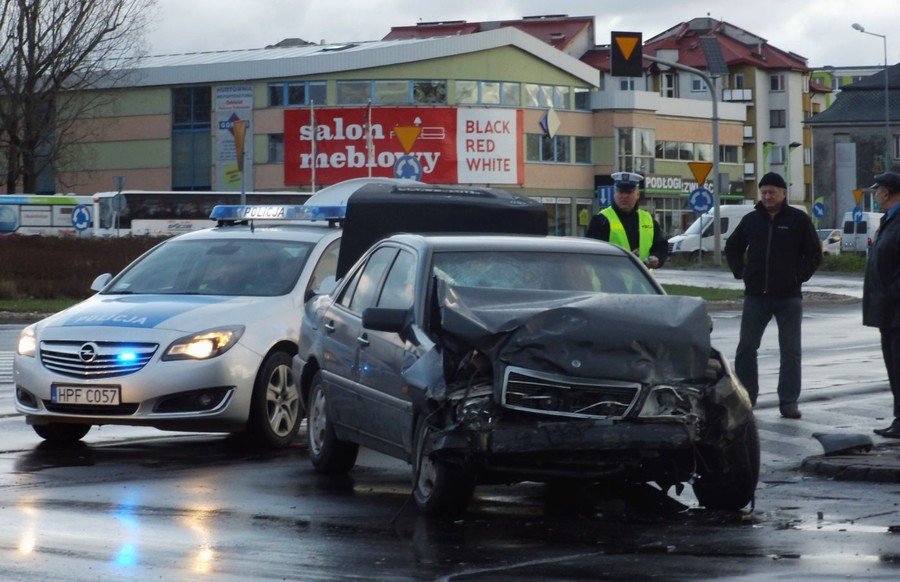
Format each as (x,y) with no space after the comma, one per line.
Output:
(643,338)
(173,312)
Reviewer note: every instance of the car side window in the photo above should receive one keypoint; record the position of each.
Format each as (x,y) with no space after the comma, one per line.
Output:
(326,267)
(369,280)
(398,290)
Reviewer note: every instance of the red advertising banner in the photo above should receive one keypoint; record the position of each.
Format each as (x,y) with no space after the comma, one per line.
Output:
(437,145)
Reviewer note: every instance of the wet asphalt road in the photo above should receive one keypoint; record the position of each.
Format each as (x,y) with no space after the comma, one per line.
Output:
(143,504)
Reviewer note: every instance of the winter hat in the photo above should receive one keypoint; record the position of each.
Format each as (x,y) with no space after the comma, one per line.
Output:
(773,179)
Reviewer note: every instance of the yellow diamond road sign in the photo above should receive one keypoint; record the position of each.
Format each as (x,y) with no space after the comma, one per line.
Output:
(700,170)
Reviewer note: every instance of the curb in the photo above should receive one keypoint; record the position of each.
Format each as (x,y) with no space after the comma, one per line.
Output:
(880,465)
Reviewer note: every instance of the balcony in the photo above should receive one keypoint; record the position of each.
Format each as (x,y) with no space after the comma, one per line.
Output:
(748,133)
(749,171)
(742,95)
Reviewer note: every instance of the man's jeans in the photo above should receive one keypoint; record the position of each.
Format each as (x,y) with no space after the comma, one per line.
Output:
(758,311)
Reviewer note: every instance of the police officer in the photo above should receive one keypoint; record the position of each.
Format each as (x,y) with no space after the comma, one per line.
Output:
(625,225)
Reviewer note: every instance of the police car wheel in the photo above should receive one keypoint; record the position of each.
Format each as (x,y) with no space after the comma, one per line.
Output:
(329,455)
(59,433)
(275,408)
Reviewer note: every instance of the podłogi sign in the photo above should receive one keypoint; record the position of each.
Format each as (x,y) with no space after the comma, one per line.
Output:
(452,145)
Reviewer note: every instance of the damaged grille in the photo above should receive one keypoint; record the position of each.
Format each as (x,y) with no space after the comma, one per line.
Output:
(95,360)
(565,396)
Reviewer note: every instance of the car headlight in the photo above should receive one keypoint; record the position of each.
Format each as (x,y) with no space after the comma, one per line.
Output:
(204,345)
(27,342)
(667,400)
(677,246)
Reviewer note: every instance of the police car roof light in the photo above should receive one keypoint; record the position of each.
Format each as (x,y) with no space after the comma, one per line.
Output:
(239,213)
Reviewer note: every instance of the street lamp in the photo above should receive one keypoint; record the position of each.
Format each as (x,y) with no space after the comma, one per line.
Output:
(787,165)
(767,149)
(887,106)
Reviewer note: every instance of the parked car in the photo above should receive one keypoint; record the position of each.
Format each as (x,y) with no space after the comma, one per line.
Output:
(195,335)
(831,240)
(481,358)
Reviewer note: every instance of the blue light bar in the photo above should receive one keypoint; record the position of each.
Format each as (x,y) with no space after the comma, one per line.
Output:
(277,212)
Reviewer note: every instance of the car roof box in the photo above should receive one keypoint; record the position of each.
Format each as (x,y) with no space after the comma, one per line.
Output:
(376,211)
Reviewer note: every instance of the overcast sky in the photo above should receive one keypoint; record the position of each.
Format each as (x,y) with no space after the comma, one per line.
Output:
(819,30)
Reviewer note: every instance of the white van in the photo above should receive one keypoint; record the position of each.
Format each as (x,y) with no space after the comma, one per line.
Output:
(688,243)
(858,236)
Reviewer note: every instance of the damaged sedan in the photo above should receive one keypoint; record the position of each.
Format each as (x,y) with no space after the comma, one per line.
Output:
(501,359)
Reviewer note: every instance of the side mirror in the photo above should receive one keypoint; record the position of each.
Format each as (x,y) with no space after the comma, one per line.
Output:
(384,319)
(326,287)
(101,281)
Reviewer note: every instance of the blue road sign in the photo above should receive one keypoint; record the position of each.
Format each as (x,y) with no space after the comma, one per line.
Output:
(408,167)
(819,209)
(81,217)
(604,195)
(857,214)
(700,200)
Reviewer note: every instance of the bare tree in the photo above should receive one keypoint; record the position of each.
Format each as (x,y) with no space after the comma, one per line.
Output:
(58,61)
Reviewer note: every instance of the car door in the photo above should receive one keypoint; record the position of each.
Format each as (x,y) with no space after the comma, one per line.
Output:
(342,329)
(382,358)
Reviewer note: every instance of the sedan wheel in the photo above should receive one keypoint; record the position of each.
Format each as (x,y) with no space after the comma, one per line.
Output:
(328,454)
(275,410)
(439,487)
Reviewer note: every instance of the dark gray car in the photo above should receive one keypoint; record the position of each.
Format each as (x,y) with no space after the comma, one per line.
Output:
(483,359)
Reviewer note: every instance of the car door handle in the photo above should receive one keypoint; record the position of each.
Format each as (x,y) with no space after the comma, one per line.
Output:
(363,340)
(329,325)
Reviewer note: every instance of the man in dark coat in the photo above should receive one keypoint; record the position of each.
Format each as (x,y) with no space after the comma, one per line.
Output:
(782,252)
(625,225)
(881,288)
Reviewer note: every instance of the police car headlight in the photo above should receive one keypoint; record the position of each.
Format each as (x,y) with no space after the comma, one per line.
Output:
(27,342)
(204,345)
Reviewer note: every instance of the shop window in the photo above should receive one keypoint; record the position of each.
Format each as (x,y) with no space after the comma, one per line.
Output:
(192,138)
(430,92)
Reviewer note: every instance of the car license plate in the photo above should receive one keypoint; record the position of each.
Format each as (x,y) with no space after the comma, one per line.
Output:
(87,395)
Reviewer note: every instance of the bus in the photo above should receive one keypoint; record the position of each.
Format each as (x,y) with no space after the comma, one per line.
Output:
(46,214)
(157,213)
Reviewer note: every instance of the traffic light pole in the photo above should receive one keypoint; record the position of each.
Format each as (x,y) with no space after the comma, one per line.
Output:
(710,84)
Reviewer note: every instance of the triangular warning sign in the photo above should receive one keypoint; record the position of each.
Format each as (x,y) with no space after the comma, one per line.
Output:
(626,45)
(700,170)
(407,134)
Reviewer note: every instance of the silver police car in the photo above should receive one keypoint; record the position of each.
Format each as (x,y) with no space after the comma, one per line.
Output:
(195,335)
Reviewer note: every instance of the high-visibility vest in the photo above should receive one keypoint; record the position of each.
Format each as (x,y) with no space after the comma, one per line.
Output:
(618,236)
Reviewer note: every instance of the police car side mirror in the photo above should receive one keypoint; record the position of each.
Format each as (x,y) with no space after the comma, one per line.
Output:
(101,281)
(326,287)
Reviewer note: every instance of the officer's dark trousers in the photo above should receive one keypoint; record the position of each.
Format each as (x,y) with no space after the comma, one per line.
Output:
(758,311)
(890,347)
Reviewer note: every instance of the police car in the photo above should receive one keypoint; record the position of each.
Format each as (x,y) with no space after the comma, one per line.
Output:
(195,335)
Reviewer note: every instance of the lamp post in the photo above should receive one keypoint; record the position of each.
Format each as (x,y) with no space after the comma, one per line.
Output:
(787,166)
(887,106)
(767,149)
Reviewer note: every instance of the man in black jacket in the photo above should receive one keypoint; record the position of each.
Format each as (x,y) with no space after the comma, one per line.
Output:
(881,288)
(782,252)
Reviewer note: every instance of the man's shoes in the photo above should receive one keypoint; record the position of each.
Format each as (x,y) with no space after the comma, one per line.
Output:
(891,432)
(792,411)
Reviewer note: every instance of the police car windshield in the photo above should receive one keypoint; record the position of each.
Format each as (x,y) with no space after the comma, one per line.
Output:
(258,268)
(580,272)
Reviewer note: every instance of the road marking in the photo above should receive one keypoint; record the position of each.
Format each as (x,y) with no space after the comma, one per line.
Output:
(6,365)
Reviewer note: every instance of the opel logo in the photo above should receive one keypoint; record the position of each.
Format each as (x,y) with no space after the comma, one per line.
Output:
(576,363)
(88,352)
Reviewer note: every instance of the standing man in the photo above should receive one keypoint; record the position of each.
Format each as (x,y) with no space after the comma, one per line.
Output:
(881,287)
(626,226)
(782,252)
